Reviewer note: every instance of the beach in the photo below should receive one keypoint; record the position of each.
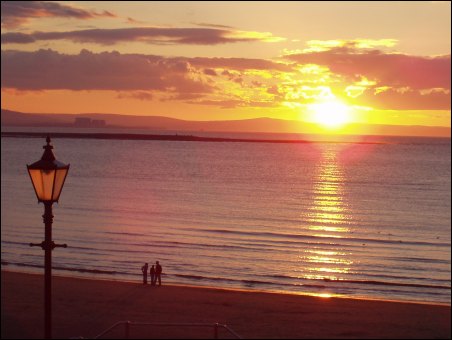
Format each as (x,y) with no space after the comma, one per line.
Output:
(85,308)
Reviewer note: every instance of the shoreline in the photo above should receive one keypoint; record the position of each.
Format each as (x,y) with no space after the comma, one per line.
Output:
(235,289)
(176,137)
(86,307)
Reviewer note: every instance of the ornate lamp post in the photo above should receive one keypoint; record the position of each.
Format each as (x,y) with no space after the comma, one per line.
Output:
(48,176)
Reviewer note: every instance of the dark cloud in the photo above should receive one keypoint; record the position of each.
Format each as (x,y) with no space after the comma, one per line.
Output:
(50,70)
(150,35)
(203,24)
(132,75)
(210,72)
(18,38)
(394,70)
(16,13)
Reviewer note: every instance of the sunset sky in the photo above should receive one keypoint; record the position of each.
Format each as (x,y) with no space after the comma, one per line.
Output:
(368,62)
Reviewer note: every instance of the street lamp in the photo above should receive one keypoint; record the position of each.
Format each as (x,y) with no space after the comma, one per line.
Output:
(48,176)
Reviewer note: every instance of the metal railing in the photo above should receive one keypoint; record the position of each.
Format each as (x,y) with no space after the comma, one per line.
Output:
(128,324)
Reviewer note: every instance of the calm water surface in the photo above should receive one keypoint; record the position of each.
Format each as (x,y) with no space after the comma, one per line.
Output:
(355,220)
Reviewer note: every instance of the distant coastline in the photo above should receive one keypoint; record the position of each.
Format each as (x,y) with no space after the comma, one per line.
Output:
(164,124)
(177,137)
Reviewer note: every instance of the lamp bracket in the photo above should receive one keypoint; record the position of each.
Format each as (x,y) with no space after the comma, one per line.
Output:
(51,245)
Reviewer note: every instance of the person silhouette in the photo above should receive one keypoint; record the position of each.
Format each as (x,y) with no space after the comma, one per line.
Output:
(152,273)
(144,270)
(158,272)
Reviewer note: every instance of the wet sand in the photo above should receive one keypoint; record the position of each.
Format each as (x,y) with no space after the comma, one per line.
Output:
(83,307)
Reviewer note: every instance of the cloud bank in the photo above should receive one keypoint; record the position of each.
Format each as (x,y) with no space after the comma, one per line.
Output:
(238,82)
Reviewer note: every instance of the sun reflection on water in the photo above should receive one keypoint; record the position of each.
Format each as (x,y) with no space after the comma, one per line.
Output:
(328,218)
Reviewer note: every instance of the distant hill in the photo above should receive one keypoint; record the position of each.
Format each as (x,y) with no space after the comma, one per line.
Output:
(13,118)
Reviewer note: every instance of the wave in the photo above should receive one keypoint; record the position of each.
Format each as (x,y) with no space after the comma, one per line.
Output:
(364,282)
(372,282)
(314,286)
(124,233)
(199,278)
(249,282)
(419,259)
(385,283)
(301,236)
(80,270)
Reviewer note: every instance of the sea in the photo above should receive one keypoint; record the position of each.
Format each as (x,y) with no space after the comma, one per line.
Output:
(368,218)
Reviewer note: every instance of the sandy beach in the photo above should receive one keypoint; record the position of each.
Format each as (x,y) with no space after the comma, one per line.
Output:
(83,307)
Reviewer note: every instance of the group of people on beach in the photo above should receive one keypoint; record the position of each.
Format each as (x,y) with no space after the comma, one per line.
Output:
(154,273)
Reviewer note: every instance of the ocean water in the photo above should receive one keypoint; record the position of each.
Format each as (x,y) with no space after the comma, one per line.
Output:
(355,220)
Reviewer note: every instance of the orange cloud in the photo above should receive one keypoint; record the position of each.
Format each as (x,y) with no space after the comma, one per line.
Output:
(239,64)
(140,95)
(231,103)
(325,45)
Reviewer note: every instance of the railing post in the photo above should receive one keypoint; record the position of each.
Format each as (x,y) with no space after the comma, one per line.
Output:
(127,329)
(129,324)
(215,331)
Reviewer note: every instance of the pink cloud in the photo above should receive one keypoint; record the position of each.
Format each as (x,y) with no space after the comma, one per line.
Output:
(395,70)
(405,100)
(16,13)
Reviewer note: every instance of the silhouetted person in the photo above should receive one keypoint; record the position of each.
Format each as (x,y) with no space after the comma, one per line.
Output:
(144,269)
(158,272)
(152,273)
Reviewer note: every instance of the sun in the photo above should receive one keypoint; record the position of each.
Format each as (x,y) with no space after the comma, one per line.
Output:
(332,114)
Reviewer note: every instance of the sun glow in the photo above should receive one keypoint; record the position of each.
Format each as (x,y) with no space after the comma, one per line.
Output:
(331,114)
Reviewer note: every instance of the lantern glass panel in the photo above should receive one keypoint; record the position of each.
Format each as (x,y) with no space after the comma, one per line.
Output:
(59,181)
(43,181)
